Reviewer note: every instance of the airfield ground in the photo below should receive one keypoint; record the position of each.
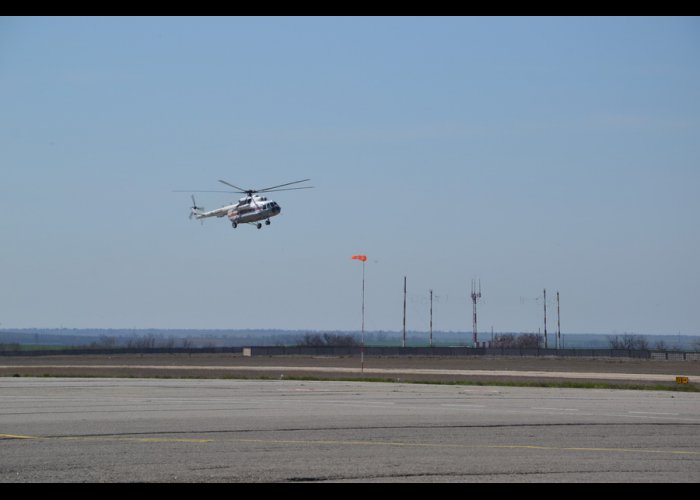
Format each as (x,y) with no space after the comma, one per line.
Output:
(466,369)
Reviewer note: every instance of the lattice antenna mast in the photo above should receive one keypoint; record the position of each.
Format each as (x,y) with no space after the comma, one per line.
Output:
(476,295)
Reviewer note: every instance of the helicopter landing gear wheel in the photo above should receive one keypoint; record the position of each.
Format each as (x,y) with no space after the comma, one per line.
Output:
(234,225)
(259,225)
(267,222)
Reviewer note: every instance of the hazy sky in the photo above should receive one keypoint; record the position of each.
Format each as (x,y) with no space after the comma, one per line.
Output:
(530,153)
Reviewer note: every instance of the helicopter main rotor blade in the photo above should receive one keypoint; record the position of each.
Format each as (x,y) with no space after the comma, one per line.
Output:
(287,189)
(249,192)
(282,185)
(198,191)
(235,187)
(204,191)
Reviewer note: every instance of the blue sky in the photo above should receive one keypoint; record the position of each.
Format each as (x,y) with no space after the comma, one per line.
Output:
(530,153)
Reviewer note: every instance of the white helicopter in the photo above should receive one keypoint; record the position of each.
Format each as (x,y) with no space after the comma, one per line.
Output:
(251,209)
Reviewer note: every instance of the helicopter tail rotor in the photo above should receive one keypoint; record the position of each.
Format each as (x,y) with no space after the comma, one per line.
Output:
(194,209)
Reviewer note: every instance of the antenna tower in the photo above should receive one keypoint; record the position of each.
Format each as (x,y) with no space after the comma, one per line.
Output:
(476,295)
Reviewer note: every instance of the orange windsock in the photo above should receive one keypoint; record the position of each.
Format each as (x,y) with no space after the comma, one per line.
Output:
(360,257)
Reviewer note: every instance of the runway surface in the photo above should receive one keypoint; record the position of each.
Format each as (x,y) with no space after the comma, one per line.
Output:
(425,373)
(213,430)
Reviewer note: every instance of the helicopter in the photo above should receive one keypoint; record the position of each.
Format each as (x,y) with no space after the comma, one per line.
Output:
(251,209)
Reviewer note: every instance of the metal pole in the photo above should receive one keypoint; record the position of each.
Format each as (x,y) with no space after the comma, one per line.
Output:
(404,312)
(362,345)
(363,303)
(558,324)
(474,339)
(545,318)
(431,318)
(362,258)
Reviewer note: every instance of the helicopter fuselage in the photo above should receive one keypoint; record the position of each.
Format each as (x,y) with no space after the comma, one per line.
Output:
(259,209)
(252,209)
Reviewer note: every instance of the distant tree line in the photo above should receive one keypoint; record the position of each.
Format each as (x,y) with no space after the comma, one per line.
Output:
(148,341)
(629,342)
(327,339)
(533,340)
(152,340)
(12,346)
(513,341)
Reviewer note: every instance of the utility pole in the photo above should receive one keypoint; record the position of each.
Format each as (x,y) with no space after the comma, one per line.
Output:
(362,344)
(558,324)
(545,318)
(476,295)
(404,312)
(431,318)
(363,259)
